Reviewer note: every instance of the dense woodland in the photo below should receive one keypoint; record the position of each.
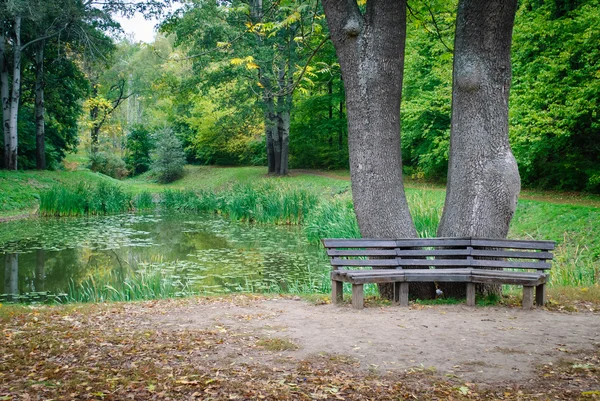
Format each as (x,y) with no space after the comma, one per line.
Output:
(228,85)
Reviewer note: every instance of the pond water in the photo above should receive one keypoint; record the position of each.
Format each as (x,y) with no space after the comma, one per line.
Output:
(199,253)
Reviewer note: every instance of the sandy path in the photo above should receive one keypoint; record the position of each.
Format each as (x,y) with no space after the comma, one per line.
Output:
(483,345)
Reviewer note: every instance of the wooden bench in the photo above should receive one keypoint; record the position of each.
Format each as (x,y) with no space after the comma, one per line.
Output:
(465,260)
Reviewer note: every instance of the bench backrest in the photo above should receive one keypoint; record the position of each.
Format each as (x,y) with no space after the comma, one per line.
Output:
(440,252)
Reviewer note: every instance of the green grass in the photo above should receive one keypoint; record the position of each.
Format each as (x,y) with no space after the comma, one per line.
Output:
(20,192)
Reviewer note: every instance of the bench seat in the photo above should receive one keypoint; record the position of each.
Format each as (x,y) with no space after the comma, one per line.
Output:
(465,260)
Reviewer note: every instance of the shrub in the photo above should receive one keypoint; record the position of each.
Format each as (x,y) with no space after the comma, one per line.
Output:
(169,158)
(108,164)
(139,145)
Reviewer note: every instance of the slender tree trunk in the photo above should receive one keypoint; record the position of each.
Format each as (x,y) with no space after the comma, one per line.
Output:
(16,94)
(4,95)
(370,49)
(95,129)
(284,106)
(270,130)
(283,131)
(483,178)
(40,134)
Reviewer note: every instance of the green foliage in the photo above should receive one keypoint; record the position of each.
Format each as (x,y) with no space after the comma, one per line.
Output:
(427,91)
(108,164)
(556,95)
(169,158)
(139,145)
(84,199)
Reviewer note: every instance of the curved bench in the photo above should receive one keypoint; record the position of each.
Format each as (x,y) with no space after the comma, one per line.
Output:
(469,260)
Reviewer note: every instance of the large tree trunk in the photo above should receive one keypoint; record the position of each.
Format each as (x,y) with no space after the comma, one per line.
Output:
(370,49)
(483,178)
(4,95)
(40,135)
(11,163)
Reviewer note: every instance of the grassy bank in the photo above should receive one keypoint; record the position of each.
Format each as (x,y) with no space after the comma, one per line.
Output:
(320,201)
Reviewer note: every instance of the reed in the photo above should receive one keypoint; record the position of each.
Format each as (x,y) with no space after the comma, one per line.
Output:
(263,203)
(84,199)
(142,285)
(143,201)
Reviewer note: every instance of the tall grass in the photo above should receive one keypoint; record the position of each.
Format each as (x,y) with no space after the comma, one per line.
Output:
(272,203)
(142,285)
(88,199)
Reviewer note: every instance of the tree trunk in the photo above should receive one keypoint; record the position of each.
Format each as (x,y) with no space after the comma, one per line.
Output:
(270,131)
(284,107)
(4,95)
(14,101)
(40,135)
(370,49)
(483,178)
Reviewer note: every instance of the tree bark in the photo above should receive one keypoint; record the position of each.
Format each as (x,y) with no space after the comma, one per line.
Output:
(40,134)
(95,129)
(14,100)
(4,95)
(370,49)
(270,130)
(483,178)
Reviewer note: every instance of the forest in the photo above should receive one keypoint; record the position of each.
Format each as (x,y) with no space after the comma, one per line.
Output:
(230,88)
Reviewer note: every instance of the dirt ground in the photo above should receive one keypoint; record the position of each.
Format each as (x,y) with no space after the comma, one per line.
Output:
(481,345)
(255,347)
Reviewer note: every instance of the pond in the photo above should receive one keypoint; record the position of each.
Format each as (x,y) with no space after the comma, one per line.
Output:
(132,255)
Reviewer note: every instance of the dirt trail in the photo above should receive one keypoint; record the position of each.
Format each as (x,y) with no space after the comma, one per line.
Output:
(483,345)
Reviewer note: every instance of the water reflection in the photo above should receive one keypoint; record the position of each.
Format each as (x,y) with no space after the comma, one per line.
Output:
(202,253)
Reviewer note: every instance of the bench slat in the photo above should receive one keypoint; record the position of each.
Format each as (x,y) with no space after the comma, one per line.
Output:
(433,262)
(364,262)
(416,242)
(514,244)
(511,254)
(508,280)
(503,264)
(359,243)
(361,252)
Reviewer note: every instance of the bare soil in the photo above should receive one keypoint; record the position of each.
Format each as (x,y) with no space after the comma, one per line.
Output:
(249,347)
(481,345)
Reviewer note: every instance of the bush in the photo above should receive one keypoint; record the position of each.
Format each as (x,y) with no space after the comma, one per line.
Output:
(169,158)
(108,164)
(139,145)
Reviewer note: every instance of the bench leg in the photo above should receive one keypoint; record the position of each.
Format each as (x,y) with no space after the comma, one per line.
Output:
(403,294)
(528,297)
(396,292)
(470,294)
(540,294)
(358,296)
(337,291)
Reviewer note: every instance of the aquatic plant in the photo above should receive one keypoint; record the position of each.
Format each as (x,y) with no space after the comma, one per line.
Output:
(274,203)
(84,199)
(143,201)
(142,285)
